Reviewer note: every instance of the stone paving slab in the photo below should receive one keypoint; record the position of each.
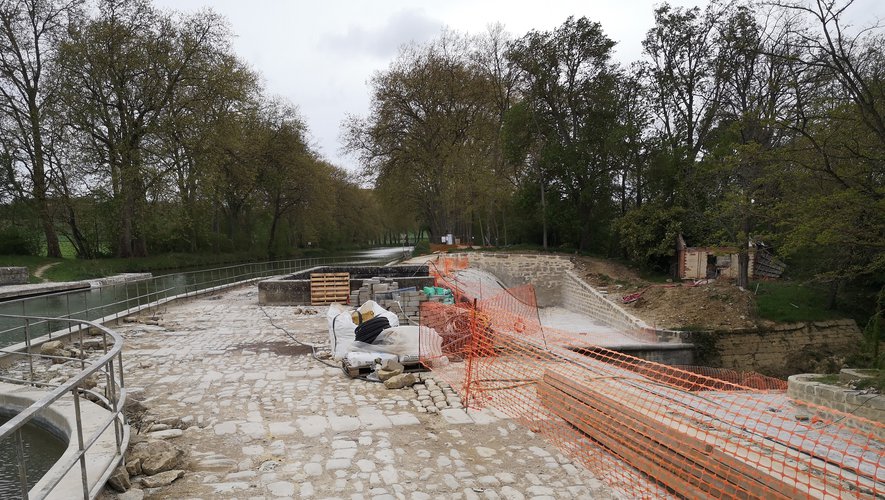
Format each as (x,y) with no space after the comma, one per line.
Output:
(269,421)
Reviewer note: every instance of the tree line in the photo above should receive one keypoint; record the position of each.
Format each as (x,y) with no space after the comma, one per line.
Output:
(127,130)
(742,121)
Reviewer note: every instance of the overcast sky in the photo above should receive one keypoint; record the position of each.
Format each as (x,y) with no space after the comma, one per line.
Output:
(320,55)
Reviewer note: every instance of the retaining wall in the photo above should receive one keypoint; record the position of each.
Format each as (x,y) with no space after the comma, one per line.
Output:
(818,397)
(770,349)
(545,272)
(556,284)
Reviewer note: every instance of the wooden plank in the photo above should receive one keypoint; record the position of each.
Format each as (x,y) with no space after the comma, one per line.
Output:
(599,430)
(686,449)
(635,436)
(698,449)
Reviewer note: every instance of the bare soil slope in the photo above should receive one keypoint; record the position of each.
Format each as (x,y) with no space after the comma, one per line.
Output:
(719,305)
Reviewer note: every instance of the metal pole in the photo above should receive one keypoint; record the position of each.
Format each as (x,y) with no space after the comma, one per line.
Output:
(114,401)
(120,364)
(22,466)
(82,349)
(28,343)
(68,307)
(80,443)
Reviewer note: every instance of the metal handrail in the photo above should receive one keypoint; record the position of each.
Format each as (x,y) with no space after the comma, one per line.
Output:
(114,399)
(156,290)
(219,278)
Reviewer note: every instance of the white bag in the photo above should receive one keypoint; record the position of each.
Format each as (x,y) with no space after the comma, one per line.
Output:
(341,326)
(407,342)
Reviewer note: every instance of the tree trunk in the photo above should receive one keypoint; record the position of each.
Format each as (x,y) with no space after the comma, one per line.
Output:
(743,279)
(544,215)
(40,188)
(273,235)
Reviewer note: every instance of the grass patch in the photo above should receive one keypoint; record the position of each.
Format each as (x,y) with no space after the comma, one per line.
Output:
(876,381)
(829,379)
(30,261)
(786,302)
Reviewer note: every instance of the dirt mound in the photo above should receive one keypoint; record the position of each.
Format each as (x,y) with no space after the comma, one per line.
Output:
(714,306)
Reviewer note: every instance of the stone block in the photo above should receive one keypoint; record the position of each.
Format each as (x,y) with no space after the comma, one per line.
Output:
(13,276)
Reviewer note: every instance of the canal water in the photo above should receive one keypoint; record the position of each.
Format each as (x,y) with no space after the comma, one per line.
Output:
(42,449)
(94,303)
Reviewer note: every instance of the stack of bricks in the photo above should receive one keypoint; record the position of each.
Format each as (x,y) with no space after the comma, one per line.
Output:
(369,288)
(406,304)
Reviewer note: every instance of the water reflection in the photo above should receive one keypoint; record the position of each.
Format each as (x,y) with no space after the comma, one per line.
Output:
(42,449)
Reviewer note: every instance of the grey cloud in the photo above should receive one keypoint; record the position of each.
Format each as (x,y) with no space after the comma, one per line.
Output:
(384,42)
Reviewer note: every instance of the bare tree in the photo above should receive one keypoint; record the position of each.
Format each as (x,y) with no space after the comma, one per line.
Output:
(29,34)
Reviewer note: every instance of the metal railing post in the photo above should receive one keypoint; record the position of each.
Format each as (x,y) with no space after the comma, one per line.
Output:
(82,349)
(68,307)
(28,343)
(22,466)
(112,397)
(82,451)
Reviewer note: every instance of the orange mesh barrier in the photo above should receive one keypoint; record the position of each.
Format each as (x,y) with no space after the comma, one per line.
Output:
(649,430)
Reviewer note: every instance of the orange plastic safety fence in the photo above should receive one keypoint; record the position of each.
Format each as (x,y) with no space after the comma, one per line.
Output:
(649,430)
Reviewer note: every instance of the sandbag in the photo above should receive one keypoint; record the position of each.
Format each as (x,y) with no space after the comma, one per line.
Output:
(342,328)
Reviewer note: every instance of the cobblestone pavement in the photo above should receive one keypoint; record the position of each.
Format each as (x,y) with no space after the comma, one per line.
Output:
(267,420)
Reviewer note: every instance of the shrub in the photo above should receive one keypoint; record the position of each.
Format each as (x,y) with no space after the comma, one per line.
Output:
(17,241)
(421,248)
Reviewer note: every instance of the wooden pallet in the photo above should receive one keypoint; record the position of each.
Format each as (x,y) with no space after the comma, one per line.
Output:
(326,288)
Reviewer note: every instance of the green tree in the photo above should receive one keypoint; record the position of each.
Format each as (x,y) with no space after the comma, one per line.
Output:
(685,77)
(123,70)
(832,209)
(30,31)
(430,112)
(568,85)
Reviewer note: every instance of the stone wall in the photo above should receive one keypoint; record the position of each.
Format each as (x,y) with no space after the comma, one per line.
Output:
(295,289)
(556,284)
(819,398)
(545,272)
(769,350)
(13,275)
